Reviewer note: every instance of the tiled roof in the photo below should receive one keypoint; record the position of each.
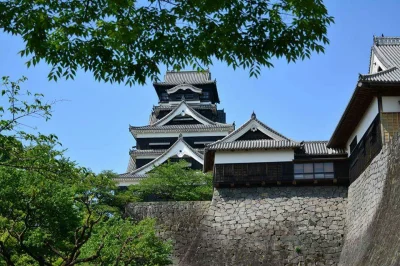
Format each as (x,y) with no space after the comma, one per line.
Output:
(129,176)
(320,148)
(155,152)
(189,77)
(387,50)
(194,106)
(253,145)
(131,165)
(182,128)
(389,75)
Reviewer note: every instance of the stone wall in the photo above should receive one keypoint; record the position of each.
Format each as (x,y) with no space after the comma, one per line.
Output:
(177,221)
(255,226)
(373,231)
(364,197)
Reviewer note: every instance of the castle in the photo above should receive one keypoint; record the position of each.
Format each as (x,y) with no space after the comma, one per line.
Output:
(279,201)
(186,124)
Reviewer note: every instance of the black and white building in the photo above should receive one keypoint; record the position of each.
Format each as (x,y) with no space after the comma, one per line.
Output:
(185,120)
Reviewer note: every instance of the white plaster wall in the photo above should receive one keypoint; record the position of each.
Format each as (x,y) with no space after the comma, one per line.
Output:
(254,156)
(391,104)
(375,64)
(364,123)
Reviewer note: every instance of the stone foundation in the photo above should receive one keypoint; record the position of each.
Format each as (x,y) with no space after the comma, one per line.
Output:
(255,226)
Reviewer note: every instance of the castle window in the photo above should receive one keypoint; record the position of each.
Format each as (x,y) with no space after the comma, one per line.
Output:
(205,95)
(314,171)
(379,69)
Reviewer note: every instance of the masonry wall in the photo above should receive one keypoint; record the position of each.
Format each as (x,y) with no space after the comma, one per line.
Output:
(255,226)
(177,221)
(373,216)
(364,197)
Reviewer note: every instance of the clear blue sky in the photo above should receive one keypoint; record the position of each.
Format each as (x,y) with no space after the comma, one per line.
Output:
(303,101)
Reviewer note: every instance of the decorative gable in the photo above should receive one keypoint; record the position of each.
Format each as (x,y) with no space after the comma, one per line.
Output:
(179,149)
(183,112)
(254,134)
(184,87)
(252,129)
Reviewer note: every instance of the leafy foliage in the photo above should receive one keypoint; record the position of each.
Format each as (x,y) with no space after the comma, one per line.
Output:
(127,40)
(174,181)
(53,212)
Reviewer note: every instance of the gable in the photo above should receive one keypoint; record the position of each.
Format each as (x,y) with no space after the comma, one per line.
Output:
(183,120)
(181,113)
(254,135)
(184,87)
(254,125)
(179,149)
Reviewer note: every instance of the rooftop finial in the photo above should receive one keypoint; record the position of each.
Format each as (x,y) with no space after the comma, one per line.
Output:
(183,97)
(180,136)
(253,115)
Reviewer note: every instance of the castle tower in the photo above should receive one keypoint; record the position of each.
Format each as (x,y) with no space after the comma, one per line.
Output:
(185,120)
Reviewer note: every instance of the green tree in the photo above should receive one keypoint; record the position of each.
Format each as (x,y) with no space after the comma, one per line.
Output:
(53,212)
(174,181)
(127,40)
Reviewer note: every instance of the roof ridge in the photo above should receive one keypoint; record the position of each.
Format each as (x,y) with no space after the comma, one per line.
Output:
(185,71)
(362,76)
(395,40)
(266,140)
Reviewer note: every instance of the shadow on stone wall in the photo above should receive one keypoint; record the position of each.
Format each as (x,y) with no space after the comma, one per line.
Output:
(380,245)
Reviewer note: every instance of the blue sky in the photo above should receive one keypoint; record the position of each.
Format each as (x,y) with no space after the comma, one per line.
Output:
(302,100)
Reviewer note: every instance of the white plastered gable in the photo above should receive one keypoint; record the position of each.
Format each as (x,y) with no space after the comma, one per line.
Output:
(184,110)
(252,125)
(184,87)
(180,149)
(376,65)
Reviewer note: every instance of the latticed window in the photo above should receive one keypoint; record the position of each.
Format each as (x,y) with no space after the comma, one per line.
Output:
(314,171)
(391,125)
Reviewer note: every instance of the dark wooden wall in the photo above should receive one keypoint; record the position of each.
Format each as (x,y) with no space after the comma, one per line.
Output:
(367,148)
(271,173)
(143,143)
